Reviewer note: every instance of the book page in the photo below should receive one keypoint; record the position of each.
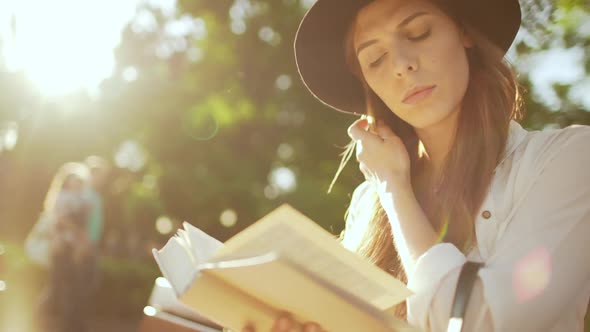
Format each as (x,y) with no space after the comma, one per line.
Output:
(201,244)
(176,264)
(291,234)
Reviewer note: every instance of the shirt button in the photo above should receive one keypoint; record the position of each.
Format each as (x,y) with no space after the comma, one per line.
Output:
(486,214)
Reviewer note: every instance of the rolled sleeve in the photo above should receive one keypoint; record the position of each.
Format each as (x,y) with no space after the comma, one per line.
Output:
(429,271)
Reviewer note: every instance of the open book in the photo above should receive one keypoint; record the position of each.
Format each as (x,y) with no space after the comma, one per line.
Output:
(283,262)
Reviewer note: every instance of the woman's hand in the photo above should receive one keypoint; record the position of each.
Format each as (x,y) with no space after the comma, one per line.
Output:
(381,154)
(284,323)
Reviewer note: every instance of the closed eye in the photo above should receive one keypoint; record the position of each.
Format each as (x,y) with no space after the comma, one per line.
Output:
(421,37)
(378,61)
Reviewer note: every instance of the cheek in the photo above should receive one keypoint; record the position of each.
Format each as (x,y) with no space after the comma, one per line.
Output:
(451,73)
(379,83)
(460,73)
(454,69)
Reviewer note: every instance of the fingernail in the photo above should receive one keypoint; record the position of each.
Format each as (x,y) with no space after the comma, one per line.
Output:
(284,323)
(313,327)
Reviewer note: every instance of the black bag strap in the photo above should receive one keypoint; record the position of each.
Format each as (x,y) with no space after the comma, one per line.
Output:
(465,283)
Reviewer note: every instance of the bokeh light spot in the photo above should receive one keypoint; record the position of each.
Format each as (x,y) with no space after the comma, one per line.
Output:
(238,27)
(283,178)
(144,22)
(8,136)
(150,311)
(130,156)
(269,35)
(228,218)
(283,82)
(164,225)
(271,192)
(285,151)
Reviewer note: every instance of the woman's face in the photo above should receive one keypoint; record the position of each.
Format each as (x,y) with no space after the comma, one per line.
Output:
(402,45)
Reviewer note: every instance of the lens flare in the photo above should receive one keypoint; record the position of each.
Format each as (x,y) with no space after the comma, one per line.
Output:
(532,274)
(443,229)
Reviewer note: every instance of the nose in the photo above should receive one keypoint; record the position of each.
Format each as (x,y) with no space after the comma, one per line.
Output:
(404,63)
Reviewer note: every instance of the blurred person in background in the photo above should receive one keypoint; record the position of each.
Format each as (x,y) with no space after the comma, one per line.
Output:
(99,172)
(63,232)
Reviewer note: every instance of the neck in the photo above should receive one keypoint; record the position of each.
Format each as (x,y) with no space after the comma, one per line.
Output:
(438,140)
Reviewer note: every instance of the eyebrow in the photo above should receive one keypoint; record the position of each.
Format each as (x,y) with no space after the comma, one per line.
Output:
(403,23)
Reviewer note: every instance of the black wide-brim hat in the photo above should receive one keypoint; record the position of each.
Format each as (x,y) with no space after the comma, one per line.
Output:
(320,51)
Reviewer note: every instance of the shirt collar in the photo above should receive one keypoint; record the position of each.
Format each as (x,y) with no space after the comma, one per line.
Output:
(516,135)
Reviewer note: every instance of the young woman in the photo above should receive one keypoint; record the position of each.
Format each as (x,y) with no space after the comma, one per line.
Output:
(450,176)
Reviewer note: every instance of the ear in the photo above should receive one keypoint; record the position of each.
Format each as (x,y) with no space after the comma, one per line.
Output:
(466,38)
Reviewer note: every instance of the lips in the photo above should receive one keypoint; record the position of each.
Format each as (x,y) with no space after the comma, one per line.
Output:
(418,93)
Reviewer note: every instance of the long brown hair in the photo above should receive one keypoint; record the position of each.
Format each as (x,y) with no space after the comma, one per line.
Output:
(492,99)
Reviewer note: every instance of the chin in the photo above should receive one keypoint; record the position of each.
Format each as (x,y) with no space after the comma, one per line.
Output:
(429,118)
(422,123)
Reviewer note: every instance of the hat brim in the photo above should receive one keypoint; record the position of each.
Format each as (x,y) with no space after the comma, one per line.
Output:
(320,50)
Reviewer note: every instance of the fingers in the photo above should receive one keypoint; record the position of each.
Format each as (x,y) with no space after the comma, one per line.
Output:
(249,328)
(357,130)
(283,323)
(311,327)
(361,130)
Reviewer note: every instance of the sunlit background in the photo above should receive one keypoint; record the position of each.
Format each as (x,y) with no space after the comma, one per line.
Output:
(64,45)
(198,106)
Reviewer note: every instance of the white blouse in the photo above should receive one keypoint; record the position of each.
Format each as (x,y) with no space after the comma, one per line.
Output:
(533,234)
